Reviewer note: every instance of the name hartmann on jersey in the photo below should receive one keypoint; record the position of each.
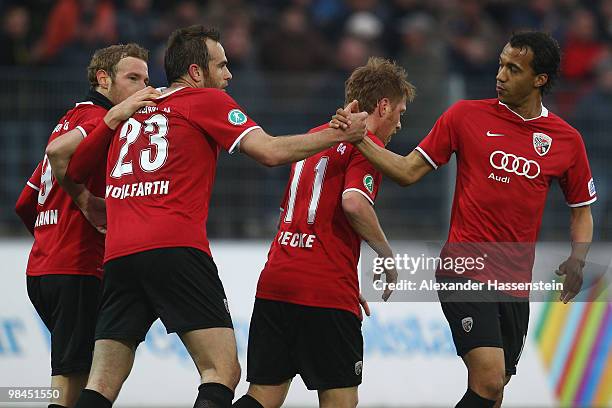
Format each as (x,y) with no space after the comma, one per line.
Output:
(142,189)
(48,217)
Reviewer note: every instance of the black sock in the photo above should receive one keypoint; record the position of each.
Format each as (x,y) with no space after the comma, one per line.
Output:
(472,400)
(56,406)
(214,395)
(246,401)
(92,399)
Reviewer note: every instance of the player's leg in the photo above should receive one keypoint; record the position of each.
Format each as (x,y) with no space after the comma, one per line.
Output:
(499,401)
(476,333)
(214,353)
(124,318)
(330,355)
(264,396)
(184,288)
(514,321)
(270,366)
(68,305)
(338,398)
(486,372)
(70,386)
(112,363)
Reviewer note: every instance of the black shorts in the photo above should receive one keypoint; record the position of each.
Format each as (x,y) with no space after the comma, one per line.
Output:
(181,286)
(68,305)
(324,346)
(475,324)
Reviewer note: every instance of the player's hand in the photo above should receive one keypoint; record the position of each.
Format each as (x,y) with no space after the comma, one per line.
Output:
(364,305)
(357,128)
(572,270)
(341,120)
(94,210)
(125,109)
(390,277)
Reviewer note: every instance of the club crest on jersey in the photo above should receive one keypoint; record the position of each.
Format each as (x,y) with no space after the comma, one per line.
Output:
(368,183)
(467,323)
(236,117)
(541,143)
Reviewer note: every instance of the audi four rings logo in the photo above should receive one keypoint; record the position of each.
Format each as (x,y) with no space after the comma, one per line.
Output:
(514,164)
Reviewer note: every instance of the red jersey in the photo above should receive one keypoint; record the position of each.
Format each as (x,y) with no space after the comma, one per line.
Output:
(161,169)
(64,241)
(505,166)
(313,259)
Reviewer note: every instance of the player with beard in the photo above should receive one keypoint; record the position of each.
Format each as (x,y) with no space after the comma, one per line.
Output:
(64,269)
(160,173)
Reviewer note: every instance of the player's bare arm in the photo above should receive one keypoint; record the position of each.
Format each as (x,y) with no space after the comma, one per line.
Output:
(404,170)
(363,220)
(274,151)
(581,231)
(122,111)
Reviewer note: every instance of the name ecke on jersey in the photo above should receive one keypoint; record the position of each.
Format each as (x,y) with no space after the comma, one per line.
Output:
(300,239)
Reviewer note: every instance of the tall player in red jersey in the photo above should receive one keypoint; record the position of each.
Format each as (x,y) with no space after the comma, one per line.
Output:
(160,172)
(306,317)
(509,150)
(65,264)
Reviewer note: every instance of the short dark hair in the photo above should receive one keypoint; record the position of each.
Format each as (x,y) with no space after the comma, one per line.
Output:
(187,46)
(379,78)
(546,54)
(106,59)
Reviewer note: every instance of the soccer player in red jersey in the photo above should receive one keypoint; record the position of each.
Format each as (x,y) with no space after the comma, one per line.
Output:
(65,264)
(509,150)
(306,317)
(160,171)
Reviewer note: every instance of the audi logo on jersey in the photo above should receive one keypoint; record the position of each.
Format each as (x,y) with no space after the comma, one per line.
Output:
(511,163)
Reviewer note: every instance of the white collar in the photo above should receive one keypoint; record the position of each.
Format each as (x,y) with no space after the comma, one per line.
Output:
(169,93)
(543,114)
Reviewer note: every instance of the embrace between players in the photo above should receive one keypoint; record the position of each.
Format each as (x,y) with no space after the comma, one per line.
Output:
(152,155)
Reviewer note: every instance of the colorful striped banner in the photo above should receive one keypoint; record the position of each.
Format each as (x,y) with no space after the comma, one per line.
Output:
(575,343)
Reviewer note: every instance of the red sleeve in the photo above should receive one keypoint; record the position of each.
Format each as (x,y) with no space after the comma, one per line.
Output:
(26,206)
(34,180)
(441,142)
(91,151)
(361,176)
(577,182)
(219,116)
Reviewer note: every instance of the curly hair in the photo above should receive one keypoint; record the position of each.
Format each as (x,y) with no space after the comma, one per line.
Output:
(546,54)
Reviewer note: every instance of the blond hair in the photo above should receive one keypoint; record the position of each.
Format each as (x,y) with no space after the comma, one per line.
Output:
(378,79)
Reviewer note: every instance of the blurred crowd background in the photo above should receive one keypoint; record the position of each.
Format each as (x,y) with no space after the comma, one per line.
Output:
(289,60)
